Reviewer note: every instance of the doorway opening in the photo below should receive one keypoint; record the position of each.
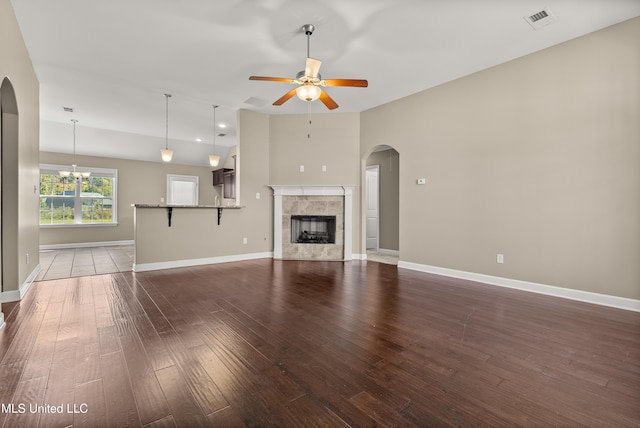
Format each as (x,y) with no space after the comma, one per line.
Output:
(382,205)
(8,195)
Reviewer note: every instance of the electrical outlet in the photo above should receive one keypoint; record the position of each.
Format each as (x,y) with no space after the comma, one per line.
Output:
(244,241)
(421,181)
(257,195)
(500,258)
(324,168)
(301,168)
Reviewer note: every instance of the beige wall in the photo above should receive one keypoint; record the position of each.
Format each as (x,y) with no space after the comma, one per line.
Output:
(138,182)
(538,159)
(15,65)
(195,234)
(334,142)
(389,208)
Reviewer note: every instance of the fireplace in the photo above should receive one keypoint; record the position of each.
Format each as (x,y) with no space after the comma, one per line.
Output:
(313,229)
(312,222)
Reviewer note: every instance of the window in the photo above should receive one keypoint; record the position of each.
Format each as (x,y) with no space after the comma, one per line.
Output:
(85,201)
(182,189)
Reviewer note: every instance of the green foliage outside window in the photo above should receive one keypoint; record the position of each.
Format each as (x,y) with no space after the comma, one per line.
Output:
(59,196)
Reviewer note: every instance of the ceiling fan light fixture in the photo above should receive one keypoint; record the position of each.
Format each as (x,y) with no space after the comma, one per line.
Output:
(308,92)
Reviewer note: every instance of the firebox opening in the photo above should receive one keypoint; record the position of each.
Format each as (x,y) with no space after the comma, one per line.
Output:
(313,229)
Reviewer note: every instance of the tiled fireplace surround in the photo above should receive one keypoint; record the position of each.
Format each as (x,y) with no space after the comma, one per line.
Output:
(312,200)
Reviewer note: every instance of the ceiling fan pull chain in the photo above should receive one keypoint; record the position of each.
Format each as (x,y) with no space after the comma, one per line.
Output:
(309,117)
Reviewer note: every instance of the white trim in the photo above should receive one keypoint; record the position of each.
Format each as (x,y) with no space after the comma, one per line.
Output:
(86,245)
(359,256)
(310,190)
(10,296)
(394,253)
(550,290)
(143,267)
(17,295)
(2,323)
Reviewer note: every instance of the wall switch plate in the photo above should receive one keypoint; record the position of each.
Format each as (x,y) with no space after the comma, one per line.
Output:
(244,241)
(500,258)
(421,181)
(301,168)
(324,168)
(257,195)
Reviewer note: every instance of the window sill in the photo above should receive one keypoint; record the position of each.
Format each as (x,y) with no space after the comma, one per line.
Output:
(63,226)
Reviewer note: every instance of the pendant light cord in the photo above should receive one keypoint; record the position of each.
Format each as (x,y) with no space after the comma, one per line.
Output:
(166,131)
(74,142)
(214,128)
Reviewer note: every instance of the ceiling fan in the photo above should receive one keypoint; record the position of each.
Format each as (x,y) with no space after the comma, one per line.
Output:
(309,80)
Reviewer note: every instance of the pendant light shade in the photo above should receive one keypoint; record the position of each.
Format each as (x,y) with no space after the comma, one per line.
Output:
(166,153)
(75,173)
(214,159)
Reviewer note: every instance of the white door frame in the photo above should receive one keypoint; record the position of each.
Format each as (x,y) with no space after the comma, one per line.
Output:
(372,169)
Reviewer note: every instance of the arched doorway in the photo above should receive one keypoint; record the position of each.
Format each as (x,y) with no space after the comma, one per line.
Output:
(8,187)
(381,205)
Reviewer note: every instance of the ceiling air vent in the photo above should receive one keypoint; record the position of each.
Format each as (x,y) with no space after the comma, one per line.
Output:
(541,19)
(221,134)
(68,109)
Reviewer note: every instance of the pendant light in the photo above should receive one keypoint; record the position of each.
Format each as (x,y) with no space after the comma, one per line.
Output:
(214,159)
(75,173)
(166,153)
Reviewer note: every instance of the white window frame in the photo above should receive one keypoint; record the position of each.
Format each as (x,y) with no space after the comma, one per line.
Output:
(100,172)
(172,198)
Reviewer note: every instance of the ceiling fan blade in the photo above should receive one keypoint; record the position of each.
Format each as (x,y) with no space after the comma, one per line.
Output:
(360,83)
(272,79)
(312,67)
(328,101)
(286,97)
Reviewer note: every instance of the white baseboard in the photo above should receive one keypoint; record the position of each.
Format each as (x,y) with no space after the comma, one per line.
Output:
(17,295)
(2,323)
(394,253)
(143,267)
(550,290)
(85,245)
(358,257)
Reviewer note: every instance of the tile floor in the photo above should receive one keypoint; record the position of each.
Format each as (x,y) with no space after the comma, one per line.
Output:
(374,256)
(71,262)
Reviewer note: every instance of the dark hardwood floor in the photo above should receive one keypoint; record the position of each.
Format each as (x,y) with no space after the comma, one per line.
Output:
(273,343)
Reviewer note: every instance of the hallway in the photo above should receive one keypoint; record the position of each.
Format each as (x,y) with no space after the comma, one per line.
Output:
(73,262)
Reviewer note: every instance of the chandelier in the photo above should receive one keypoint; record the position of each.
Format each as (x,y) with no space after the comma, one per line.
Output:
(75,173)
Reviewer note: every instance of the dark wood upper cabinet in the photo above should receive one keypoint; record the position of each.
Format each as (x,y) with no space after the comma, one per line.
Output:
(226,177)
(218,176)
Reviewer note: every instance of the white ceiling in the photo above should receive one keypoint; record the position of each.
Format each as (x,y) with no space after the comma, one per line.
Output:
(112,60)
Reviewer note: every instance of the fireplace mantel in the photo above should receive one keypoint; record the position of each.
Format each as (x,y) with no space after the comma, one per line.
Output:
(280,191)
